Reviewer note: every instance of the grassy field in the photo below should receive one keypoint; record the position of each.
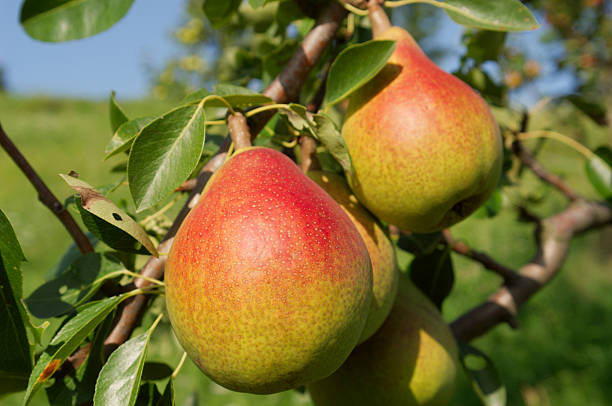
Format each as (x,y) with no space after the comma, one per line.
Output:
(560,356)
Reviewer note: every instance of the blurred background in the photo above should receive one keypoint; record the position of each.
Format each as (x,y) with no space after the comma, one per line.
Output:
(53,104)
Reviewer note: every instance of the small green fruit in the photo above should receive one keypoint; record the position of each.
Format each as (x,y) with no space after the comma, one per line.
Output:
(425,147)
(268,283)
(412,360)
(382,253)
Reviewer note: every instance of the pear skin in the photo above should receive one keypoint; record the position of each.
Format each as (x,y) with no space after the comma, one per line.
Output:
(425,147)
(268,283)
(382,253)
(412,360)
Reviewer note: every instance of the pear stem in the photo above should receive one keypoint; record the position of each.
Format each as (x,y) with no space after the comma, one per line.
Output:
(378,18)
(239,131)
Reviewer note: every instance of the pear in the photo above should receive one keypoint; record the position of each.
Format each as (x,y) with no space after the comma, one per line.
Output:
(425,147)
(412,360)
(382,253)
(268,283)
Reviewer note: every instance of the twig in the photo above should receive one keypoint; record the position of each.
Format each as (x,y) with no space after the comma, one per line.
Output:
(532,163)
(285,87)
(489,263)
(239,131)
(45,195)
(554,237)
(308,154)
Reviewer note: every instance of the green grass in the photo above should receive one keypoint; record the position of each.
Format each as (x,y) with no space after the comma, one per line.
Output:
(561,354)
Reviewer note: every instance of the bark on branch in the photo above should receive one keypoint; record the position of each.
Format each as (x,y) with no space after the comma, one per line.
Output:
(554,237)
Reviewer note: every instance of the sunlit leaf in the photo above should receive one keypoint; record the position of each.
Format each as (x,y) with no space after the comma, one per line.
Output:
(119,380)
(64,20)
(599,172)
(355,66)
(124,135)
(68,339)
(107,221)
(498,15)
(116,113)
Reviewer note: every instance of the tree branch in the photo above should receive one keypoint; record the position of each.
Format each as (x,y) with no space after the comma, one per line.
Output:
(532,163)
(45,195)
(489,263)
(554,237)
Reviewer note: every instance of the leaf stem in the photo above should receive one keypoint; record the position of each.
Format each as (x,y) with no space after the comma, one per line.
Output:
(267,107)
(564,139)
(353,9)
(179,366)
(146,278)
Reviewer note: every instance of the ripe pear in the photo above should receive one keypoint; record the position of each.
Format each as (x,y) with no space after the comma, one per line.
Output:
(412,360)
(268,283)
(382,253)
(425,147)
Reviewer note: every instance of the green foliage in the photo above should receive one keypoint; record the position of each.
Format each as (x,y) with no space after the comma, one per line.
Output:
(484,376)
(64,20)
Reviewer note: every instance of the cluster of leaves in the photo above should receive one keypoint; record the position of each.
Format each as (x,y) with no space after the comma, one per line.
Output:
(159,153)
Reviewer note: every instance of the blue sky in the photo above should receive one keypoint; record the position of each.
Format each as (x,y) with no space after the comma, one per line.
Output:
(119,59)
(115,59)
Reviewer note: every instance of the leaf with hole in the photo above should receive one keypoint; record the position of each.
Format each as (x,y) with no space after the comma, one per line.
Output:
(64,20)
(107,221)
(483,376)
(354,67)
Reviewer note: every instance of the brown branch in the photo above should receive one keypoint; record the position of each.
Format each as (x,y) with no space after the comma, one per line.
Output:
(554,237)
(489,263)
(285,87)
(45,195)
(239,130)
(532,163)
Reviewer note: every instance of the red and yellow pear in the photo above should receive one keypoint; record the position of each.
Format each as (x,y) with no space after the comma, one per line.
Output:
(412,360)
(385,273)
(425,147)
(268,283)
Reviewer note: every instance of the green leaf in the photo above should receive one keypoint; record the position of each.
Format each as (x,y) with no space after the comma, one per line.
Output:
(257,3)
(492,206)
(156,371)
(329,135)
(68,339)
(107,221)
(124,135)
(354,67)
(77,387)
(498,15)
(167,398)
(433,274)
(419,244)
(595,110)
(117,115)
(219,12)
(483,375)
(148,395)
(484,45)
(236,96)
(165,153)
(17,352)
(119,379)
(64,20)
(73,287)
(599,172)
(68,257)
